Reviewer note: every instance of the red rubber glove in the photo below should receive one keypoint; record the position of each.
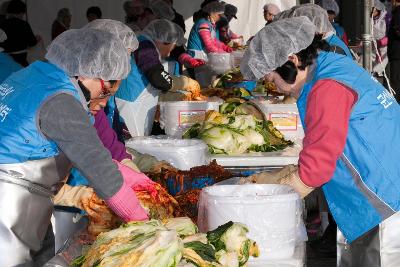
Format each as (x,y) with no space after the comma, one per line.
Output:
(228,49)
(125,203)
(194,62)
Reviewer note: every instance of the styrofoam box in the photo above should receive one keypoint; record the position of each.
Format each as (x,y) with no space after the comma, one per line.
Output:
(180,153)
(269,211)
(285,118)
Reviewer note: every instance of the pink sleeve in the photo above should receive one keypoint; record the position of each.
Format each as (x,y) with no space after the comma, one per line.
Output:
(383,42)
(211,45)
(328,112)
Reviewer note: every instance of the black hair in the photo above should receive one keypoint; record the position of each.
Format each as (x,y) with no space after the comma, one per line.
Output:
(206,2)
(331,12)
(307,56)
(95,10)
(16,7)
(288,71)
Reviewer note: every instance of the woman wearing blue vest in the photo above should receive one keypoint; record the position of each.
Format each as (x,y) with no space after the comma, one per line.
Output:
(319,17)
(332,8)
(137,96)
(45,128)
(7,64)
(204,39)
(352,124)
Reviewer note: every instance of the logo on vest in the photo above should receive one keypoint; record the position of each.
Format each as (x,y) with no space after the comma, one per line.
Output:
(4,111)
(386,99)
(5,90)
(166,76)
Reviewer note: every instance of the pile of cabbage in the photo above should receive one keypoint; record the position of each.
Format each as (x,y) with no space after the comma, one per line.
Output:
(238,128)
(173,242)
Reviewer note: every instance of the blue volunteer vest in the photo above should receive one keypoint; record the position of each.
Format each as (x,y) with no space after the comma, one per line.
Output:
(334,40)
(339,30)
(21,96)
(136,82)
(194,41)
(7,66)
(365,187)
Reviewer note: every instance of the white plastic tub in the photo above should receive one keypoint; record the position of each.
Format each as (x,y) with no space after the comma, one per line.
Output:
(271,213)
(180,153)
(219,62)
(177,116)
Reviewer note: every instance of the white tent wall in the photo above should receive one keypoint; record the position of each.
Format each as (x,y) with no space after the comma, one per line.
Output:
(41,13)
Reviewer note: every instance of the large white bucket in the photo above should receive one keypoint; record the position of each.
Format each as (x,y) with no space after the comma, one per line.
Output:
(180,153)
(271,212)
(177,116)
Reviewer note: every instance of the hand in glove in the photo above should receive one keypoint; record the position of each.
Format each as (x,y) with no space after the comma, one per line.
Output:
(73,196)
(293,179)
(125,203)
(186,84)
(194,63)
(271,177)
(129,163)
(157,167)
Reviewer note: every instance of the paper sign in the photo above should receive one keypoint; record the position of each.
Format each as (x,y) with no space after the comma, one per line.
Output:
(284,121)
(190,117)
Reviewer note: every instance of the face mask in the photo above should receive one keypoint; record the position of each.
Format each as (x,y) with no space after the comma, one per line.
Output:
(86,92)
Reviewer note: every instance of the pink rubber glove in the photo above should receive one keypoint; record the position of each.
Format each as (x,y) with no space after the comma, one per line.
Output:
(125,203)
(194,62)
(383,42)
(228,49)
(189,61)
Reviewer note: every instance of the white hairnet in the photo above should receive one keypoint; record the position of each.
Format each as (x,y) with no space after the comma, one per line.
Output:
(379,5)
(271,47)
(90,53)
(330,5)
(124,33)
(160,9)
(3,36)
(272,8)
(165,31)
(214,7)
(314,13)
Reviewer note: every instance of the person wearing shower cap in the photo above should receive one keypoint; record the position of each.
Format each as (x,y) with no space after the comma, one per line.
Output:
(319,17)
(7,63)
(333,11)
(124,33)
(204,37)
(155,9)
(137,97)
(349,119)
(48,102)
(379,50)
(270,11)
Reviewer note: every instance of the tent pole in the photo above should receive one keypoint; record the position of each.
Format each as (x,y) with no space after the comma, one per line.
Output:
(312,1)
(366,37)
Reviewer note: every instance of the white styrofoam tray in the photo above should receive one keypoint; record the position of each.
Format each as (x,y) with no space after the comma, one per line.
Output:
(284,157)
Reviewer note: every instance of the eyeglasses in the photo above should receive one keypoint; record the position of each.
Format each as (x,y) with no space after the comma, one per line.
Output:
(105,92)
